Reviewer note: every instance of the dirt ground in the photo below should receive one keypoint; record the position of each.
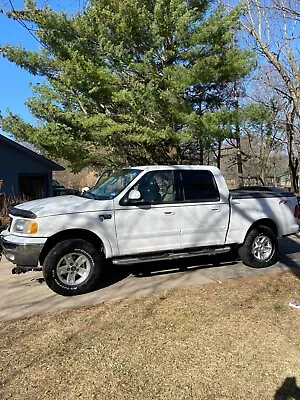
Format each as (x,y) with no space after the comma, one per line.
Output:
(234,340)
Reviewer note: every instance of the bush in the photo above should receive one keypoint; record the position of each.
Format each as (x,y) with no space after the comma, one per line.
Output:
(5,204)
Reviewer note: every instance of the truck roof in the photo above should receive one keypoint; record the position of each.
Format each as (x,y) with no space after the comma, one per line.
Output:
(213,169)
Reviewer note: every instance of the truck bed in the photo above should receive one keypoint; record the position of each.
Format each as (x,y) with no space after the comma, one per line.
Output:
(250,193)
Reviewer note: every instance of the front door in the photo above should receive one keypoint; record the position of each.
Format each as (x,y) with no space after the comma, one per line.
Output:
(152,224)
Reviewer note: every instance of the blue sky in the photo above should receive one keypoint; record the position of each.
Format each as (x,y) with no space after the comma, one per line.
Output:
(14,81)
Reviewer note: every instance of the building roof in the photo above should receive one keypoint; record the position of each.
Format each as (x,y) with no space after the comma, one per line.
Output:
(16,146)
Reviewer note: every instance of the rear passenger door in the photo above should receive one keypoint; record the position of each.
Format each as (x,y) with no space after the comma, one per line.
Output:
(204,215)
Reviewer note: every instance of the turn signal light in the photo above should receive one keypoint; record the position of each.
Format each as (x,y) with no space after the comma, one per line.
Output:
(33,227)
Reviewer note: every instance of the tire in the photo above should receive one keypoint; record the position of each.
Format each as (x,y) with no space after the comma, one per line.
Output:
(72,267)
(260,249)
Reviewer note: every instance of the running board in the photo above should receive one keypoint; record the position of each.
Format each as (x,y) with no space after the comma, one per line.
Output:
(170,256)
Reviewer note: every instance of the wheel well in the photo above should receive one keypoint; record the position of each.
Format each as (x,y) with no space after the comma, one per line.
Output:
(265,222)
(70,234)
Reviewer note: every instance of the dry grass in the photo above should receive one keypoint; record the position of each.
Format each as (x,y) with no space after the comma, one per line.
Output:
(238,340)
(5,204)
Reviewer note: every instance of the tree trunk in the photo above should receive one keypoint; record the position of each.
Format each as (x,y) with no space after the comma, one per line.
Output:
(201,152)
(239,158)
(239,162)
(294,165)
(293,158)
(219,151)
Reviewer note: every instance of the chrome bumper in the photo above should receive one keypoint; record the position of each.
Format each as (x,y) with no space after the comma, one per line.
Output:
(21,253)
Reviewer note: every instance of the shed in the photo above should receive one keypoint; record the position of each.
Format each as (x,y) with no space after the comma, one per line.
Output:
(23,172)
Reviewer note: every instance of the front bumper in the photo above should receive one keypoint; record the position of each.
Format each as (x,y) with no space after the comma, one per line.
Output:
(22,251)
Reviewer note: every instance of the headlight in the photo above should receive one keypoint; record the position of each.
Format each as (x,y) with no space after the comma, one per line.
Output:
(27,226)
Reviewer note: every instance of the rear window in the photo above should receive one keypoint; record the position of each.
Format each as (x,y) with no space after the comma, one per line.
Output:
(199,186)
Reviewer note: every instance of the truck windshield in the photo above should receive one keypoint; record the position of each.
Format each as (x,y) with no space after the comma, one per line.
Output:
(111,185)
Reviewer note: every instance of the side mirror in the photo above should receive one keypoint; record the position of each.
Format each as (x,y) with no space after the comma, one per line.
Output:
(134,195)
(86,188)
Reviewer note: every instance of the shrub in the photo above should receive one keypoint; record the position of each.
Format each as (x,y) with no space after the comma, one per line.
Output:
(5,204)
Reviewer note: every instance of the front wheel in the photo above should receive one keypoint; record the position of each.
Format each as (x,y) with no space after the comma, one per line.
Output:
(260,248)
(72,267)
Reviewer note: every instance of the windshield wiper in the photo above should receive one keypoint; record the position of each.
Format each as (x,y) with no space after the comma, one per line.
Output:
(89,195)
(102,197)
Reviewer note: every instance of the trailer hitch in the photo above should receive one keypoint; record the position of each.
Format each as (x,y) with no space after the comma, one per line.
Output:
(21,269)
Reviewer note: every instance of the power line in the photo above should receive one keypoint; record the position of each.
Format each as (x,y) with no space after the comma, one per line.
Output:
(23,24)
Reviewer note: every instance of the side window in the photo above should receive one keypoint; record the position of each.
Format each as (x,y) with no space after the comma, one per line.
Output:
(199,186)
(155,187)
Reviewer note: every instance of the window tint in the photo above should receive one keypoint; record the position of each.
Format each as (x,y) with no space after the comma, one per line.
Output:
(155,187)
(199,186)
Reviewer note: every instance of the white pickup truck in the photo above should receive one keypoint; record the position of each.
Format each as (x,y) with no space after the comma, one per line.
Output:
(145,214)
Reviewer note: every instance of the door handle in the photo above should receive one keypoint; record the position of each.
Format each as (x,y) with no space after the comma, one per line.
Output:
(105,216)
(216,209)
(169,213)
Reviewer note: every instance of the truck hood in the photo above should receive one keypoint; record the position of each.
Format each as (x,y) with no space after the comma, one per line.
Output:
(64,205)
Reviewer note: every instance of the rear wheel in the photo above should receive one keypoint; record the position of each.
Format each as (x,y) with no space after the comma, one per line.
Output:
(260,248)
(72,267)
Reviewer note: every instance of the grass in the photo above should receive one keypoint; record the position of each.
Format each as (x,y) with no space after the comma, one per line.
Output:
(238,340)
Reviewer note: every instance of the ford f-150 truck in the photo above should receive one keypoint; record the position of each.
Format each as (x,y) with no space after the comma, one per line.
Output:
(144,214)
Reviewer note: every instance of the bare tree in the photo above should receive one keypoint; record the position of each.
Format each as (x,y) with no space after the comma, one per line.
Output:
(274,26)
(289,7)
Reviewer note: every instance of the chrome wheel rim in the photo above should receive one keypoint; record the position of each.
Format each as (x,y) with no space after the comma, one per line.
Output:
(262,247)
(73,269)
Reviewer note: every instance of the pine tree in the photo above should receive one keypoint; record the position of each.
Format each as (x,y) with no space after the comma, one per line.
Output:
(127,81)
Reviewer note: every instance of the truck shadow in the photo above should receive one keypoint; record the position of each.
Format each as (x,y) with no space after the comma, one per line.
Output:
(111,275)
(114,273)
(184,264)
(288,248)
